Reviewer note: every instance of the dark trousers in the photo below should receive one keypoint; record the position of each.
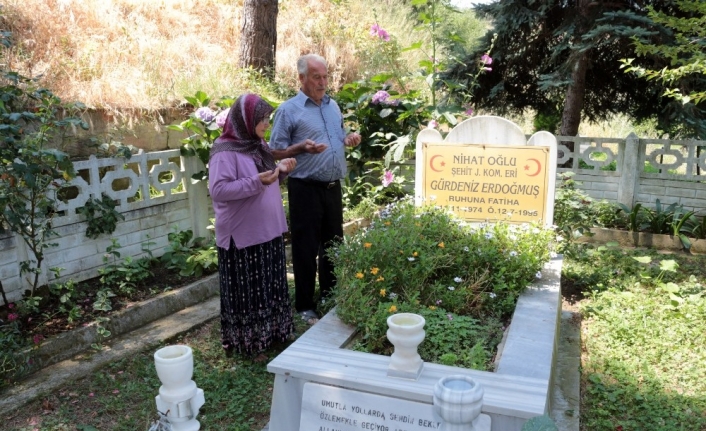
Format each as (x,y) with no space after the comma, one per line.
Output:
(315,220)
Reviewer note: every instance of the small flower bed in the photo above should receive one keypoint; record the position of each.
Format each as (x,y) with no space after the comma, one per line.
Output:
(464,279)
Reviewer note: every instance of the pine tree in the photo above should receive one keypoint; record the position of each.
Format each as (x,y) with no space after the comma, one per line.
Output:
(684,79)
(562,59)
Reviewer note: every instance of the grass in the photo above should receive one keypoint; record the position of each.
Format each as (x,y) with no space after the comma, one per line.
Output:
(121,395)
(642,334)
(642,364)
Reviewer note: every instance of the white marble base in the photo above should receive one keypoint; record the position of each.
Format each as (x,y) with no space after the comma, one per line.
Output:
(518,390)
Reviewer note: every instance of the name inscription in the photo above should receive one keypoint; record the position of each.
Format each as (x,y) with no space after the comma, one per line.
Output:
(328,408)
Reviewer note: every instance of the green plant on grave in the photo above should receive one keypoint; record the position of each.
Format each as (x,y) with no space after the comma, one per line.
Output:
(572,209)
(608,215)
(202,260)
(373,189)
(101,333)
(635,218)
(14,350)
(124,275)
(67,295)
(32,172)
(179,248)
(186,254)
(696,227)
(540,423)
(659,219)
(101,216)
(425,260)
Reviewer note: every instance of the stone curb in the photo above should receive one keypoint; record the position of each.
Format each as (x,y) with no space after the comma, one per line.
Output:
(643,239)
(69,344)
(136,329)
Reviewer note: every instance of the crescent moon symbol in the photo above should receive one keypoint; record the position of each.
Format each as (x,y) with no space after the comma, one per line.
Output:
(539,168)
(431,163)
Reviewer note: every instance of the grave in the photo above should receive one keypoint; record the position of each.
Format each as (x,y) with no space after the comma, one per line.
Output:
(322,386)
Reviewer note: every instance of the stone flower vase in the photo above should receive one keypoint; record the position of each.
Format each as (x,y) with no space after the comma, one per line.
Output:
(457,401)
(179,399)
(405,332)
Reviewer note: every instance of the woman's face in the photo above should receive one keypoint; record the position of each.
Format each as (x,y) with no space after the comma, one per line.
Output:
(261,128)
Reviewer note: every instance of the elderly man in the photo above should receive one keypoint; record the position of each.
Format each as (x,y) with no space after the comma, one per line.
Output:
(309,127)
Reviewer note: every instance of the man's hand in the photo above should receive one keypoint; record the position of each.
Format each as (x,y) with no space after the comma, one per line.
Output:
(312,147)
(352,140)
(269,177)
(287,165)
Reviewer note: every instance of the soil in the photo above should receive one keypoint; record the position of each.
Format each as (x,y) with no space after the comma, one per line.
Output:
(49,321)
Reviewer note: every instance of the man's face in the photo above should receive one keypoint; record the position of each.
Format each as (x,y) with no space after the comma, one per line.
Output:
(315,82)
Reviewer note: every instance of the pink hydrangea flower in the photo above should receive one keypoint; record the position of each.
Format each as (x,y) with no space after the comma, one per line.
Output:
(37,339)
(222,117)
(380,97)
(469,111)
(387,178)
(205,114)
(12,317)
(433,124)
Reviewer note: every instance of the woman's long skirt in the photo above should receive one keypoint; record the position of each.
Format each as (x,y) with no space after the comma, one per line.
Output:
(255,306)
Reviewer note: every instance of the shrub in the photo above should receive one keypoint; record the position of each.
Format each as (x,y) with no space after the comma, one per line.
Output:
(425,260)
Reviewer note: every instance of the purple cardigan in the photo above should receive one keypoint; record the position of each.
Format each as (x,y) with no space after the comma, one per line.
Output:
(246,210)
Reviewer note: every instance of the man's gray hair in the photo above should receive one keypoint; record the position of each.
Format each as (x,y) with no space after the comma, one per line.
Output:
(303,62)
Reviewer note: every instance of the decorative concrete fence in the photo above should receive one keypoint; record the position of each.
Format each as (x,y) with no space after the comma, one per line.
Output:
(679,176)
(154,193)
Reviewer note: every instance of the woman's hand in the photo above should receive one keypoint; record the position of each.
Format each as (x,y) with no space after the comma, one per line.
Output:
(287,165)
(269,177)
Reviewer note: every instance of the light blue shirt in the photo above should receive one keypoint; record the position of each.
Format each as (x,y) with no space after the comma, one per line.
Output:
(299,119)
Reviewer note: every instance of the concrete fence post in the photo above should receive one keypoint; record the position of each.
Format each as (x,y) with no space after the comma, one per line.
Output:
(629,169)
(197,191)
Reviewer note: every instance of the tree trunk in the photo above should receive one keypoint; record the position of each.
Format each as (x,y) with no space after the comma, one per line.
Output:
(573,102)
(258,36)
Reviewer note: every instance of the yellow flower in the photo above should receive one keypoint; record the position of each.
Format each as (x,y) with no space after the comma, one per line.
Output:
(441,244)
(368,245)
(432,307)
(415,254)
(381,278)
(374,271)
(359,275)
(387,223)
(382,292)
(393,308)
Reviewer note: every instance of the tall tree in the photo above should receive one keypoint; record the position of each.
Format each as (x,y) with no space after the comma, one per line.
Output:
(561,58)
(684,79)
(258,36)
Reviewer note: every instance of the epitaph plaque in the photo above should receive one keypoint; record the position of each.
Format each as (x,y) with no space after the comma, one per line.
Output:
(330,408)
(487,182)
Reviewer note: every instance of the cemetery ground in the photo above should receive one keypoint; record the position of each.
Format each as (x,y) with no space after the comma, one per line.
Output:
(642,315)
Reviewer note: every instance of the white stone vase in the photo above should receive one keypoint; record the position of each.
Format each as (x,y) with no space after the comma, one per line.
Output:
(179,399)
(457,401)
(405,332)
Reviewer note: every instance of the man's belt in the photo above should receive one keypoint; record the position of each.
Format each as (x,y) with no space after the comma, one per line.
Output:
(322,184)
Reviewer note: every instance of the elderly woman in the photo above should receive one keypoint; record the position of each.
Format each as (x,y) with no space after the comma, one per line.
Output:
(244,187)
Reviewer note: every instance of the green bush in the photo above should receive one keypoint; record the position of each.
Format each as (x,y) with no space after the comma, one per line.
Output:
(424,260)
